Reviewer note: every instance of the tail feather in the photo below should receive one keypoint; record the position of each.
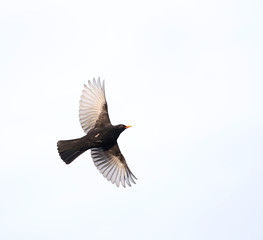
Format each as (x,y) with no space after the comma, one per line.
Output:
(68,151)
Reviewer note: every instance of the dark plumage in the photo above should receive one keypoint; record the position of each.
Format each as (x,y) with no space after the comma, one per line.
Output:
(101,137)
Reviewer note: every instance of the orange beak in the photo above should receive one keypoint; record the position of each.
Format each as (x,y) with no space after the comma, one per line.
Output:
(128,126)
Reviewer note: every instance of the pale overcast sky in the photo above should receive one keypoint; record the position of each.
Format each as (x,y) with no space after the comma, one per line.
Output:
(186,74)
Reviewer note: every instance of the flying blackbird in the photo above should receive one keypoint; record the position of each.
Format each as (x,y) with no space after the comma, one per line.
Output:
(101,137)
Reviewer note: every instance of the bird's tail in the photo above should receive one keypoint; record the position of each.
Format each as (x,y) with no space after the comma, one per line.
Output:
(68,150)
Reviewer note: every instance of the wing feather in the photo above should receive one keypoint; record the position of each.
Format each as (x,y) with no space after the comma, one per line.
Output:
(93,110)
(112,165)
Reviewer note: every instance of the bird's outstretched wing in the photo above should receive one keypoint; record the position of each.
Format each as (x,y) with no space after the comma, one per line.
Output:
(112,165)
(93,110)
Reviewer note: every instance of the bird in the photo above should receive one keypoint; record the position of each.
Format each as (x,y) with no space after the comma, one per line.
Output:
(101,137)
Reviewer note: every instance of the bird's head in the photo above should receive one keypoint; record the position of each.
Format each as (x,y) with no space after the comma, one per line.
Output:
(122,127)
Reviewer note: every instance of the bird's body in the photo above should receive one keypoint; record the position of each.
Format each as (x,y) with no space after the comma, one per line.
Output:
(97,137)
(101,137)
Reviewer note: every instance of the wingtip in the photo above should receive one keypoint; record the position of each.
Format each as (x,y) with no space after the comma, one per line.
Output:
(96,83)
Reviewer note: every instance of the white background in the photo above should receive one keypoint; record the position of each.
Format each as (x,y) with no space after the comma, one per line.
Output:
(186,74)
